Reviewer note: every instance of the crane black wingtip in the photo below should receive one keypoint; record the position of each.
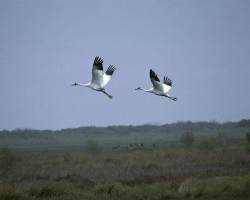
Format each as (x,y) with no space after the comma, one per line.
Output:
(167,81)
(98,61)
(111,69)
(153,75)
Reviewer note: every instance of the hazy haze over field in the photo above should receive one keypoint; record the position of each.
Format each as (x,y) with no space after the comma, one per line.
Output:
(203,46)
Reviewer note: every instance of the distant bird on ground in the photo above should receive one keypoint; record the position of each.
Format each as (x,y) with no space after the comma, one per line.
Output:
(159,88)
(99,78)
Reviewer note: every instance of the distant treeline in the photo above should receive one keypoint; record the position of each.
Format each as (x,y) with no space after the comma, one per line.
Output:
(173,128)
(123,135)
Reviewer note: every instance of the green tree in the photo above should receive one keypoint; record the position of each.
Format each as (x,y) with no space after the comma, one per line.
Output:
(207,144)
(7,161)
(187,139)
(248,141)
(244,123)
(221,138)
(93,147)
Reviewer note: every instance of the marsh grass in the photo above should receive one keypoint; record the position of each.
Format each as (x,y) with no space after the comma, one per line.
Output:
(52,189)
(7,161)
(9,192)
(159,174)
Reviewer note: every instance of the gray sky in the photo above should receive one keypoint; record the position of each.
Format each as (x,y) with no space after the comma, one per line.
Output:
(203,46)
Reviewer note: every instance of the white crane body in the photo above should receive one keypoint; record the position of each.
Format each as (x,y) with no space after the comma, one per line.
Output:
(160,89)
(99,78)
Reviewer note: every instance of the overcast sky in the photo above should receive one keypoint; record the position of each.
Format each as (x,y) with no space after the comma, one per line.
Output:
(203,46)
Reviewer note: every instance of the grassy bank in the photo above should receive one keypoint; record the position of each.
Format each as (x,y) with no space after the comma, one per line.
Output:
(172,173)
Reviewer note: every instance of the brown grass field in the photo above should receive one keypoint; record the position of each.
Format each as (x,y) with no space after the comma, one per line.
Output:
(100,170)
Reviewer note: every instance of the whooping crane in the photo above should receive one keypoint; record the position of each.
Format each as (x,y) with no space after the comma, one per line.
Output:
(159,88)
(99,78)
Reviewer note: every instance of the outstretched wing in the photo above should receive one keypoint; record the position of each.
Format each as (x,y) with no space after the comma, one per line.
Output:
(155,80)
(97,71)
(167,81)
(167,84)
(108,74)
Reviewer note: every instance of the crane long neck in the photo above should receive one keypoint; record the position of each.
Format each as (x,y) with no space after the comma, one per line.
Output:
(146,90)
(81,84)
